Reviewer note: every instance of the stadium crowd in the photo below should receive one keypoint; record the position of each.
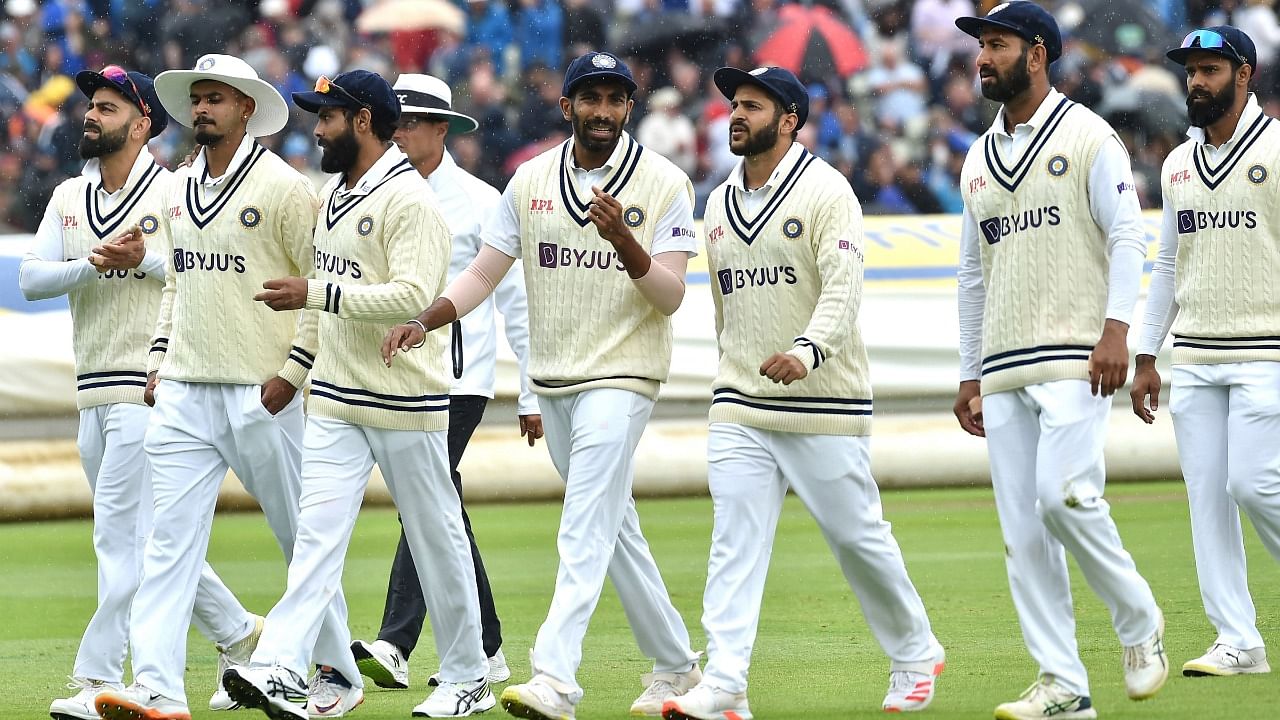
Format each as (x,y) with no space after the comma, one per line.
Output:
(895,110)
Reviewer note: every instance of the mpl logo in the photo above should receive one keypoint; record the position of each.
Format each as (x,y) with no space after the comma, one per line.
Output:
(70,222)
(174,212)
(976,184)
(541,206)
(548,253)
(1179,177)
(715,234)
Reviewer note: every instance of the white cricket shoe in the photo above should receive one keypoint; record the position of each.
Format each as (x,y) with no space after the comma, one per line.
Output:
(1223,660)
(661,687)
(138,702)
(80,706)
(457,700)
(1145,665)
(707,702)
(912,685)
(331,694)
(1047,699)
(279,692)
(233,655)
(498,671)
(537,700)
(383,663)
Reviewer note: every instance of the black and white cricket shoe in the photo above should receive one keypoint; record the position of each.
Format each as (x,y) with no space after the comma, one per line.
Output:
(279,692)
(457,700)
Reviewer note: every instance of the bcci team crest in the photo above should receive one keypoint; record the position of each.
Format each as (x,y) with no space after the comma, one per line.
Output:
(205,63)
(365,226)
(604,62)
(1058,165)
(250,217)
(792,228)
(149,224)
(633,216)
(1257,174)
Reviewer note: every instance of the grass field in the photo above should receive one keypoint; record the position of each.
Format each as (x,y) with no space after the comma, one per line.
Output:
(814,657)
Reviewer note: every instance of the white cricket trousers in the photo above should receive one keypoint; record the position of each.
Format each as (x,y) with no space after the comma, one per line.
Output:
(749,471)
(592,437)
(110,443)
(197,431)
(336,462)
(1226,418)
(1045,443)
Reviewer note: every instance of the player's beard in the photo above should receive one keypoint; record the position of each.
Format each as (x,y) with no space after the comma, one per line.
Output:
(340,153)
(757,142)
(206,134)
(1204,108)
(1012,84)
(105,144)
(582,136)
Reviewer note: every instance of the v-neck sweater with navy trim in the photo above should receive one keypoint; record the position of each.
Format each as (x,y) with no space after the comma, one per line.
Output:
(113,316)
(589,325)
(1227,267)
(1044,259)
(787,277)
(226,240)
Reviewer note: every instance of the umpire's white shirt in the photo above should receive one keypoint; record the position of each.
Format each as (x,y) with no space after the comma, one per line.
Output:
(467,202)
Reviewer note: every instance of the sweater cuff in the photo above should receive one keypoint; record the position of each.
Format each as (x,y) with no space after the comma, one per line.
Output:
(294,373)
(807,355)
(323,296)
(155,358)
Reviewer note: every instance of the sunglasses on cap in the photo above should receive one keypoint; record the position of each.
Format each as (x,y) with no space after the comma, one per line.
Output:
(120,76)
(325,86)
(1210,40)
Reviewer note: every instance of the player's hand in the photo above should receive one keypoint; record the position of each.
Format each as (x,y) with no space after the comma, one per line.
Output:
(531,427)
(277,393)
(149,395)
(191,157)
(123,252)
(288,293)
(606,212)
(1109,362)
(401,338)
(1146,383)
(783,368)
(968,407)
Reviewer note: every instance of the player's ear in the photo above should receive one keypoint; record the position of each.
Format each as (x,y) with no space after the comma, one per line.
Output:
(565,106)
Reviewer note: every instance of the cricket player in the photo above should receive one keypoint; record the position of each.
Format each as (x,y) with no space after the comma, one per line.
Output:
(605,230)
(791,403)
(1213,283)
(92,247)
(1052,247)
(427,118)
(382,249)
(228,369)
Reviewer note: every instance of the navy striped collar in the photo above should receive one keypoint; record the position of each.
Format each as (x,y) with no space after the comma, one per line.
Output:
(340,203)
(1213,175)
(1247,118)
(620,167)
(104,223)
(1047,119)
(202,214)
(789,170)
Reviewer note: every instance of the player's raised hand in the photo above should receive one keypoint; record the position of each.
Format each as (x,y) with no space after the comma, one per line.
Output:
(605,212)
(783,368)
(288,293)
(1109,361)
(123,252)
(968,408)
(1146,384)
(403,338)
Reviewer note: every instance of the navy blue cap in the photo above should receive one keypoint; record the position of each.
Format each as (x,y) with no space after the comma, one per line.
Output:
(780,83)
(1237,46)
(597,65)
(353,90)
(1025,19)
(137,88)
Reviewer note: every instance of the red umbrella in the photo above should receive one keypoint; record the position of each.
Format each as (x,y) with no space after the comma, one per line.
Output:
(812,42)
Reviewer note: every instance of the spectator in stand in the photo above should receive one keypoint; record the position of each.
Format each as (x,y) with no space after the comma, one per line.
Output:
(823,118)
(900,89)
(667,131)
(885,196)
(539,32)
(935,39)
(489,29)
(540,115)
(961,103)
(1258,20)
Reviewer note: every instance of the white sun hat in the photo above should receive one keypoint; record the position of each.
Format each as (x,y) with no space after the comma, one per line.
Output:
(174,89)
(429,95)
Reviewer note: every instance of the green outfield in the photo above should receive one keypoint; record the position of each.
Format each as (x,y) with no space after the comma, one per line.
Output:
(814,657)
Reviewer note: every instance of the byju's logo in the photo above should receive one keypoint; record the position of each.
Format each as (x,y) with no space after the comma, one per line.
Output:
(190,260)
(1190,221)
(547,254)
(731,279)
(726,281)
(1186,221)
(991,230)
(997,228)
